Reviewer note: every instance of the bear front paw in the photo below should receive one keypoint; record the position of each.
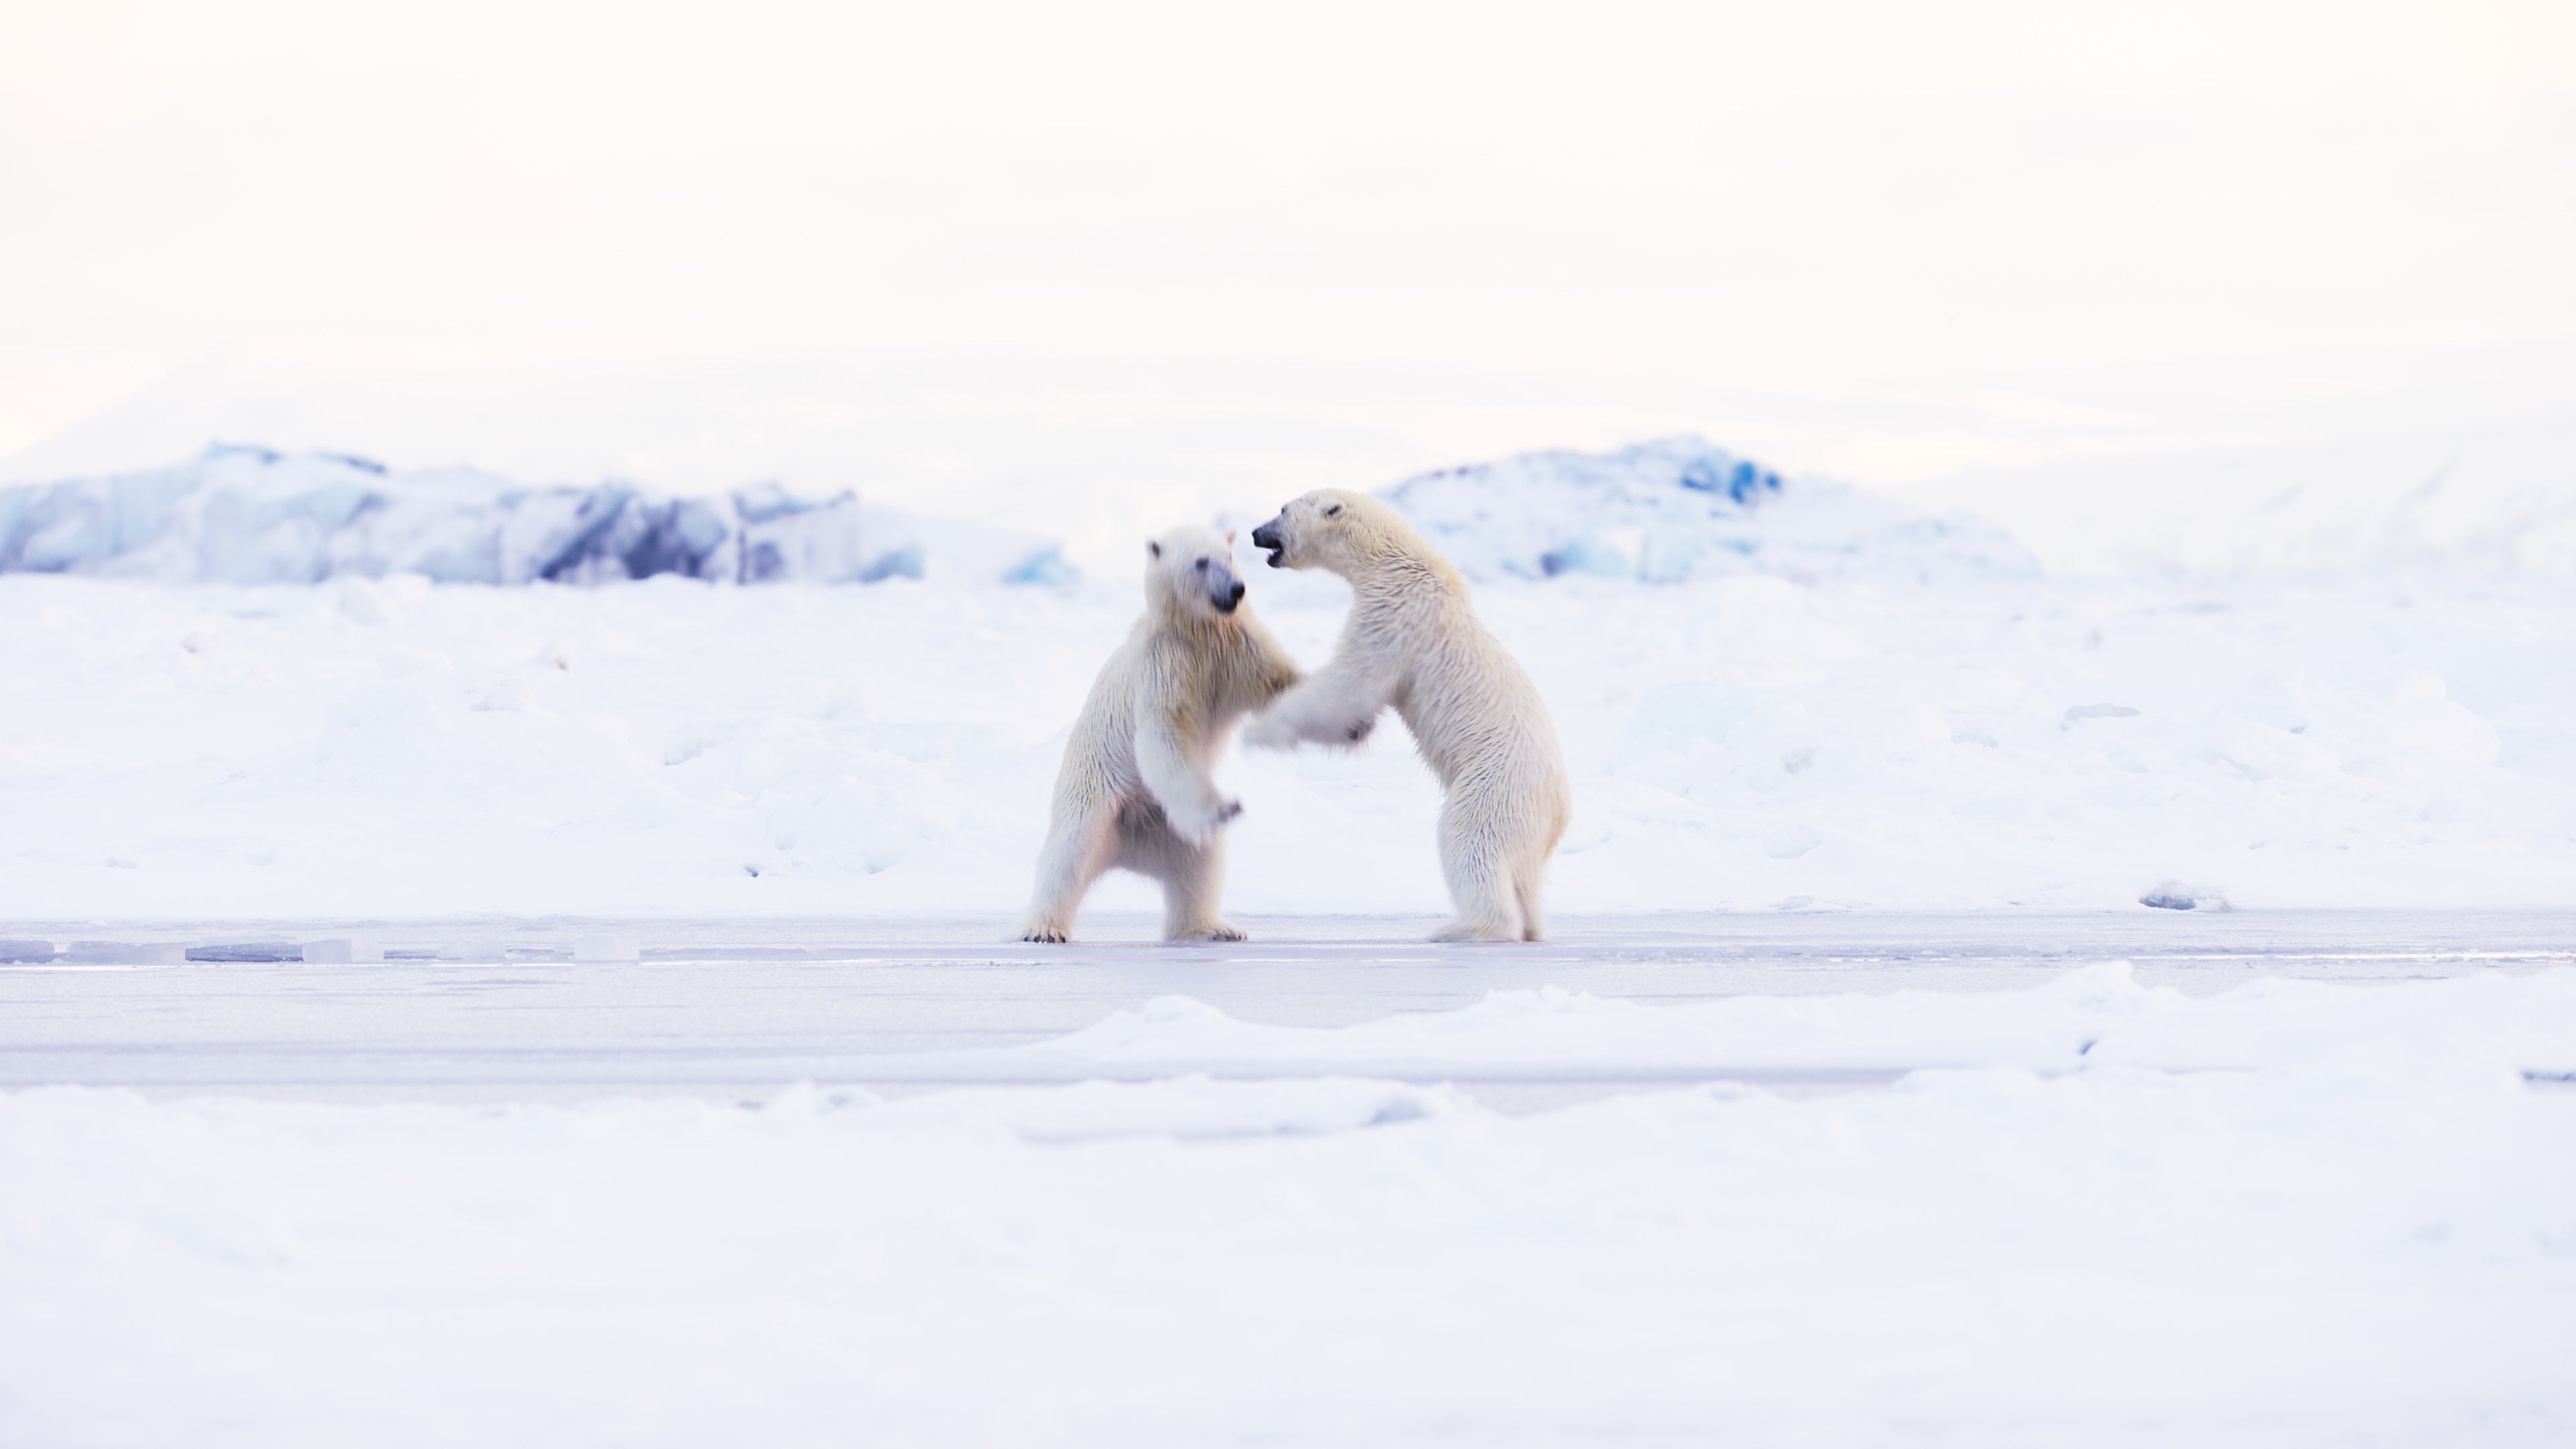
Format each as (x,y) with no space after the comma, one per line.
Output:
(1047,935)
(1199,829)
(1267,732)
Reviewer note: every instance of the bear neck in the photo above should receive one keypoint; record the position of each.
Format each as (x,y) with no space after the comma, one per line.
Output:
(1399,569)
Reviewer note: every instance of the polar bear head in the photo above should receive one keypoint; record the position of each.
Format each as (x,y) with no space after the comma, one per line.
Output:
(1192,570)
(1335,530)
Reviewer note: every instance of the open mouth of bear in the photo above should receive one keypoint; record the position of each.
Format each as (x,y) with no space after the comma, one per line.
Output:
(1266,538)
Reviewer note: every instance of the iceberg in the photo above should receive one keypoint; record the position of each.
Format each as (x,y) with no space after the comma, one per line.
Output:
(251,515)
(1677,508)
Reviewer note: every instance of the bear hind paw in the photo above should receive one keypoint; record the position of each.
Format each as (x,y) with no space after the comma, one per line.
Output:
(1212,931)
(1465,930)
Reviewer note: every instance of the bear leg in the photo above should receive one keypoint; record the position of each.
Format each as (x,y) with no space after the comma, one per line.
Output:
(1192,875)
(1531,869)
(1077,851)
(1525,892)
(1475,860)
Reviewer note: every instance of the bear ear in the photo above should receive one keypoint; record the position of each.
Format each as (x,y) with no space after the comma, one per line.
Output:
(1229,538)
(1153,548)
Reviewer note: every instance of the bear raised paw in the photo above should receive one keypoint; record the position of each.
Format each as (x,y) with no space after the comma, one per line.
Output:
(1413,641)
(1134,792)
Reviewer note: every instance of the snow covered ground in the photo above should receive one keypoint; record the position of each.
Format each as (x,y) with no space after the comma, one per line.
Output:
(1743,742)
(2103,1213)
(666,1119)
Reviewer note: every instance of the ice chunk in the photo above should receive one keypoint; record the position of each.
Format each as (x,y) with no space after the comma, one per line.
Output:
(249,515)
(1588,554)
(124,953)
(26,950)
(248,951)
(901,563)
(2176,895)
(1047,567)
(1676,508)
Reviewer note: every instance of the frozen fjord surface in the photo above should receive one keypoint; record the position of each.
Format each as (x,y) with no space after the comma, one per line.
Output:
(396,749)
(2357,1232)
(498,1010)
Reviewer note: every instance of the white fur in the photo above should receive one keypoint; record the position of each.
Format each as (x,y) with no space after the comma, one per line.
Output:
(1134,791)
(1413,641)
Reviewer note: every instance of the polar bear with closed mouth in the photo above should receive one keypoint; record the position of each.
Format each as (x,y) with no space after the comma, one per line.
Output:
(1134,791)
(1413,642)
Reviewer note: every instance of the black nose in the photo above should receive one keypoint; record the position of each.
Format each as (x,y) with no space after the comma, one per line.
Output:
(1265,536)
(1234,595)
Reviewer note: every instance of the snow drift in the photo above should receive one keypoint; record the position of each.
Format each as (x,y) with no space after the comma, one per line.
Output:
(395,748)
(1678,508)
(242,515)
(2356,1234)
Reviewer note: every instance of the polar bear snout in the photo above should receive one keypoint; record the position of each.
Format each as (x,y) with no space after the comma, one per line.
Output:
(1268,536)
(1223,589)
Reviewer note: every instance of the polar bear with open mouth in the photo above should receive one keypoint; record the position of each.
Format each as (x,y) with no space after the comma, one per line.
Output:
(1413,642)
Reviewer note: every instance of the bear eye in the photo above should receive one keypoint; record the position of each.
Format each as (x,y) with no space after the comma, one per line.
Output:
(1334,511)
(1201,565)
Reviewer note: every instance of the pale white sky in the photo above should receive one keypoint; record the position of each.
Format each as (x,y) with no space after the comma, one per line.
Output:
(1008,247)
